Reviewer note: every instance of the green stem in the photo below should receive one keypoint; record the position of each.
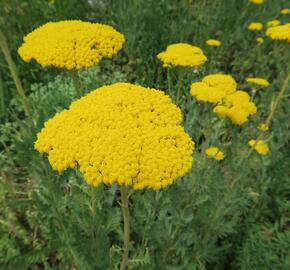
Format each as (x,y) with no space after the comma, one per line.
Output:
(180,79)
(126,215)
(76,81)
(14,74)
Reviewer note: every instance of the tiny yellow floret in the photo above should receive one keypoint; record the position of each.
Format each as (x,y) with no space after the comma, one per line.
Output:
(256,2)
(120,133)
(260,146)
(285,11)
(183,55)
(260,40)
(215,153)
(273,23)
(213,42)
(258,81)
(255,26)
(263,127)
(71,44)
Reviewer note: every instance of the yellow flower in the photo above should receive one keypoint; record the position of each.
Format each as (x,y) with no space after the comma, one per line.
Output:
(263,127)
(71,44)
(260,40)
(213,88)
(281,32)
(215,153)
(182,54)
(273,23)
(237,107)
(120,133)
(258,81)
(255,26)
(213,42)
(285,11)
(257,2)
(260,146)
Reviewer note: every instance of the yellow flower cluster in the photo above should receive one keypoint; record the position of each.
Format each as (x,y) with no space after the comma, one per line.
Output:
(215,153)
(285,11)
(273,23)
(260,40)
(221,90)
(71,44)
(258,81)
(255,26)
(213,42)
(260,146)
(182,54)
(263,127)
(213,88)
(120,133)
(281,32)
(257,2)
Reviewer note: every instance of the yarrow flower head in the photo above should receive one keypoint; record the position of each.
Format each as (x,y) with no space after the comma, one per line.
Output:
(213,88)
(259,40)
(273,23)
(213,42)
(280,32)
(221,90)
(255,26)
(256,2)
(263,127)
(183,55)
(120,133)
(258,81)
(260,146)
(71,44)
(215,153)
(285,11)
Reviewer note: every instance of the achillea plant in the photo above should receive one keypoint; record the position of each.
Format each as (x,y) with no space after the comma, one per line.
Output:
(120,134)
(280,32)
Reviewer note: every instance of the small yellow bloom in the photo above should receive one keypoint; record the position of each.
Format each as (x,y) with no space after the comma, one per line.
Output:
(258,81)
(260,40)
(273,23)
(260,146)
(213,42)
(215,153)
(255,26)
(256,2)
(182,54)
(280,32)
(285,11)
(263,127)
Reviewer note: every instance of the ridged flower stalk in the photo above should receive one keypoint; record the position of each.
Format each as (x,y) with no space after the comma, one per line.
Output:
(126,215)
(14,74)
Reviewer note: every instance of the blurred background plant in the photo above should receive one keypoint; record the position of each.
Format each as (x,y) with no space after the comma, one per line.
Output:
(202,222)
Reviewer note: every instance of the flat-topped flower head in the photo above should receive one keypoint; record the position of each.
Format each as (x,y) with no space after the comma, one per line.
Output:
(258,81)
(255,26)
(183,55)
(259,40)
(285,11)
(256,2)
(260,146)
(237,107)
(263,127)
(120,133)
(215,153)
(213,42)
(280,32)
(273,23)
(213,88)
(71,44)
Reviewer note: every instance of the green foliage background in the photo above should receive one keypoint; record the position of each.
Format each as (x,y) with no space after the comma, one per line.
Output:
(233,214)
